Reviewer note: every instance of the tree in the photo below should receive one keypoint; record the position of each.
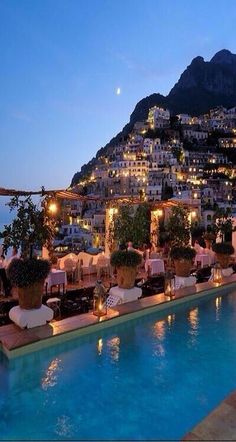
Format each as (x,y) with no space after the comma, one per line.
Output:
(141,225)
(122,229)
(131,225)
(31,228)
(178,226)
(223,226)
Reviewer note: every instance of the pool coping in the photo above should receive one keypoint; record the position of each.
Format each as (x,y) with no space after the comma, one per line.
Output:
(218,425)
(15,341)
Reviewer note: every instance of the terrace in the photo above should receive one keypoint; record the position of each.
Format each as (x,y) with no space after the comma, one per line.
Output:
(67,326)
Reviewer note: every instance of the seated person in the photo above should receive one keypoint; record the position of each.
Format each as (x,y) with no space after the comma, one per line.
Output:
(197,247)
(130,246)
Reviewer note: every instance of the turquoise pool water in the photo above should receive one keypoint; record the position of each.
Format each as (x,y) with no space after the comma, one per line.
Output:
(146,379)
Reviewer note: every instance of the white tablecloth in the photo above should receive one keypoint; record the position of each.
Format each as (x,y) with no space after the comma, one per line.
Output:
(203,259)
(156,266)
(56,277)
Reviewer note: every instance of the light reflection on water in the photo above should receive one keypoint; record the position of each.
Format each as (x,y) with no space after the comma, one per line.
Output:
(218,302)
(51,375)
(155,368)
(114,348)
(159,329)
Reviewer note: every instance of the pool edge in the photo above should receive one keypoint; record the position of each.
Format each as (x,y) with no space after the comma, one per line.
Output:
(113,321)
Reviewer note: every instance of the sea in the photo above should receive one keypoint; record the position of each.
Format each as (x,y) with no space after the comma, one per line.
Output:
(6,216)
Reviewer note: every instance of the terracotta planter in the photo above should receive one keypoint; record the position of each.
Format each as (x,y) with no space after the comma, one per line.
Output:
(126,277)
(31,297)
(183,267)
(223,260)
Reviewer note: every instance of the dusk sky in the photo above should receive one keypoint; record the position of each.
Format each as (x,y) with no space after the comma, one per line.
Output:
(63,60)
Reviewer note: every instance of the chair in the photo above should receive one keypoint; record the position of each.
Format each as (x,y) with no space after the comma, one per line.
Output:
(113,300)
(102,266)
(55,305)
(79,271)
(89,268)
(69,267)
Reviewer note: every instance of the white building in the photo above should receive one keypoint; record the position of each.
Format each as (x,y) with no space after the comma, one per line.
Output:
(195,134)
(158,117)
(184,118)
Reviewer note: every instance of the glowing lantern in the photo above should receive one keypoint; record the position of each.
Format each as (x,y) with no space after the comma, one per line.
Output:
(99,300)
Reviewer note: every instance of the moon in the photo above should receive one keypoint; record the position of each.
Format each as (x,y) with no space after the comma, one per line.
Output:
(118,91)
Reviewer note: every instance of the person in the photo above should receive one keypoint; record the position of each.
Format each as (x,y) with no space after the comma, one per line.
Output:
(197,247)
(130,246)
(209,238)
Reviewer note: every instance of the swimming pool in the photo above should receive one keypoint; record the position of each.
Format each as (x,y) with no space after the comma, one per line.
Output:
(151,378)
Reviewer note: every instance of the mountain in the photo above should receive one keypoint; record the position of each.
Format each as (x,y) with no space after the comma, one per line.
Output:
(202,86)
(205,84)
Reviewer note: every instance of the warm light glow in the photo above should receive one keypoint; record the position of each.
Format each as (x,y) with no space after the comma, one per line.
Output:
(218,302)
(114,348)
(50,378)
(52,208)
(158,212)
(159,329)
(99,346)
(170,319)
(193,318)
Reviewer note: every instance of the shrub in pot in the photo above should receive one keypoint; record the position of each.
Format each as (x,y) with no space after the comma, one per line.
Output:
(29,275)
(223,251)
(183,257)
(126,263)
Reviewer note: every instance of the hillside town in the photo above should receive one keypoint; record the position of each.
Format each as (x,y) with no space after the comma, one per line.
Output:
(180,158)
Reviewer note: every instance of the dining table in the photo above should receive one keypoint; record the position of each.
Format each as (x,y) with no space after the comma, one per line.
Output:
(56,278)
(203,259)
(155,266)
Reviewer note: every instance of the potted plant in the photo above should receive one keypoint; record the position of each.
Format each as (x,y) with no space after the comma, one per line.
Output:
(28,276)
(31,228)
(223,251)
(126,263)
(183,257)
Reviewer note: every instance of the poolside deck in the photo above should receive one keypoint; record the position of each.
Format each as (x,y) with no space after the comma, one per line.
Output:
(15,341)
